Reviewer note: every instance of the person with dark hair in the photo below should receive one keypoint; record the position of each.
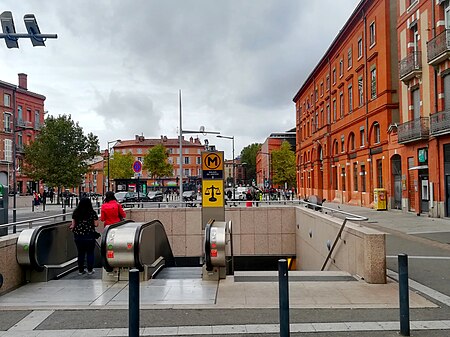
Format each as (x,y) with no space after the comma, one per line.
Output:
(84,221)
(111,211)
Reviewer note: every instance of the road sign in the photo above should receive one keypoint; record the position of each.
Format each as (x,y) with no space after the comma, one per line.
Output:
(137,166)
(212,193)
(212,165)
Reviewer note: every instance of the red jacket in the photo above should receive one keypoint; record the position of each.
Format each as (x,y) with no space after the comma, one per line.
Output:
(110,212)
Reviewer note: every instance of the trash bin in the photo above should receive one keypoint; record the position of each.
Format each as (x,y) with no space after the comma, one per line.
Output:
(379,199)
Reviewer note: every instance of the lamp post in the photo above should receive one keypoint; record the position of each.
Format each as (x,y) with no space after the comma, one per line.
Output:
(234,174)
(113,141)
(182,132)
(268,155)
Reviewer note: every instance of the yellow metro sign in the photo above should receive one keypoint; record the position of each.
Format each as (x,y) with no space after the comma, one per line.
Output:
(212,165)
(212,193)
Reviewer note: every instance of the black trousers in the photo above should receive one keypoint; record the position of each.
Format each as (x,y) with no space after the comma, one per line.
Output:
(85,246)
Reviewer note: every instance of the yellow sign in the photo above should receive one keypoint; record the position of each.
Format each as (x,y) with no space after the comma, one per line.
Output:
(212,193)
(212,161)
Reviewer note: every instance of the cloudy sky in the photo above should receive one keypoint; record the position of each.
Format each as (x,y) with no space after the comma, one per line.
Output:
(117,66)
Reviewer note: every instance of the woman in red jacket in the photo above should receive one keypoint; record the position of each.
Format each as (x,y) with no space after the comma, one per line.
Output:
(111,211)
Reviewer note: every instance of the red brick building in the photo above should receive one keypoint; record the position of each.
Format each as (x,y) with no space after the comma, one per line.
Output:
(346,108)
(23,116)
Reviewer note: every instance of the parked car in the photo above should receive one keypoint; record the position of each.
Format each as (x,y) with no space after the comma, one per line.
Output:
(189,195)
(133,197)
(156,196)
(120,195)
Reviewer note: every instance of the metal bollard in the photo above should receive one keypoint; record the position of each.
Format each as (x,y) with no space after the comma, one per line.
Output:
(404,294)
(133,303)
(32,206)
(14,220)
(64,212)
(283,289)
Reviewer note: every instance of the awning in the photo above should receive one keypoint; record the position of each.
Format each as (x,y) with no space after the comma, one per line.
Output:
(420,167)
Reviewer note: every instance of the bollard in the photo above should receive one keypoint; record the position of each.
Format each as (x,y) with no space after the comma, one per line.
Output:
(64,212)
(133,303)
(14,220)
(283,289)
(32,206)
(404,294)
(43,206)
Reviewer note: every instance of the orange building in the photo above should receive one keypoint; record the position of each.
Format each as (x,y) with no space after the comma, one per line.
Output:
(192,149)
(95,180)
(424,72)
(346,108)
(23,117)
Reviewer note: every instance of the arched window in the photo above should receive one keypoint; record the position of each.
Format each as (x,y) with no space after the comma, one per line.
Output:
(376,133)
(335,147)
(351,142)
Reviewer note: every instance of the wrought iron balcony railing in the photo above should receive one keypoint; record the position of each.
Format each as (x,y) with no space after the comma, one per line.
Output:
(410,66)
(23,124)
(440,123)
(414,130)
(438,48)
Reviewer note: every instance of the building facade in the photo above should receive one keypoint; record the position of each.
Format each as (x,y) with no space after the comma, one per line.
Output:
(23,117)
(347,107)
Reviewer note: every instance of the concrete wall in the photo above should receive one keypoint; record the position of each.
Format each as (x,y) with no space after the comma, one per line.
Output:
(12,273)
(360,251)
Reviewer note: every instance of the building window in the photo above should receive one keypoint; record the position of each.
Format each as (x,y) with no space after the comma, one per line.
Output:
(186,160)
(363,178)
(334,110)
(360,91)
(342,144)
(352,141)
(187,172)
(372,30)
(8,150)
(328,114)
(139,151)
(334,75)
(355,177)
(328,82)
(7,100)
(341,103)
(19,113)
(37,119)
(376,133)
(321,89)
(373,83)
(322,120)
(335,148)
(361,136)
(360,48)
(341,68)
(7,121)
(199,160)
(343,178)
(350,98)
(349,57)
(380,173)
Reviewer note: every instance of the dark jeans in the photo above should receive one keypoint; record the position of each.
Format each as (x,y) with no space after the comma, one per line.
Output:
(85,246)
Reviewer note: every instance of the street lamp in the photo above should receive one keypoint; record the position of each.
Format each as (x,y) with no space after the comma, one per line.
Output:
(264,177)
(182,132)
(234,167)
(113,141)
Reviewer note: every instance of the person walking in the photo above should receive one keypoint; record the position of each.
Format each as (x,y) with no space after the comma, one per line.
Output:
(111,211)
(36,200)
(84,221)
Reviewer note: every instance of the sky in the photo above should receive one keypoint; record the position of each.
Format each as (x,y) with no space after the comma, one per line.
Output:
(117,67)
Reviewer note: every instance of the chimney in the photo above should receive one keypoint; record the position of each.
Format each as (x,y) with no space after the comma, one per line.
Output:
(23,81)
(191,140)
(136,137)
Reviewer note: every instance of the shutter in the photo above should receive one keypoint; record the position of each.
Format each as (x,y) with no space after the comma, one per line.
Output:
(447,92)
(416,103)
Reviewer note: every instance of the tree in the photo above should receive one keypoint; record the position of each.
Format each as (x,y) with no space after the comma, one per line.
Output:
(60,153)
(156,162)
(121,166)
(248,156)
(283,165)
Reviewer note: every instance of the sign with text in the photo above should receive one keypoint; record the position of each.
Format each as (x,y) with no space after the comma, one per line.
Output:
(212,165)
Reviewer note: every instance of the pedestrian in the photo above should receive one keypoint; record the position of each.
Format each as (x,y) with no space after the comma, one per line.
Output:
(51,195)
(111,211)
(36,200)
(84,221)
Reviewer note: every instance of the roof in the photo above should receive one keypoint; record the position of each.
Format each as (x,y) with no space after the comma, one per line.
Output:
(150,142)
(21,90)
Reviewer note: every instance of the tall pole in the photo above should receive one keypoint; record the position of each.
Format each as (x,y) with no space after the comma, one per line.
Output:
(14,158)
(181,147)
(108,167)
(234,172)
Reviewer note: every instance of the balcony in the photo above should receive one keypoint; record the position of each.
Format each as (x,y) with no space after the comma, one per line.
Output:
(410,66)
(24,124)
(440,123)
(438,48)
(20,148)
(414,130)
(37,126)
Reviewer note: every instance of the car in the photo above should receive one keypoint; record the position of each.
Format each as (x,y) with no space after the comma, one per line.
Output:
(120,195)
(189,195)
(133,197)
(156,196)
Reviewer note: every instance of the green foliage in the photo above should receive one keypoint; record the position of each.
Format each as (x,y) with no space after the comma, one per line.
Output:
(248,156)
(120,166)
(156,162)
(60,153)
(283,166)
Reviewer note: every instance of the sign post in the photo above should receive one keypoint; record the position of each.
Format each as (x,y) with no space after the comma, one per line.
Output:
(213,201)
(137,168)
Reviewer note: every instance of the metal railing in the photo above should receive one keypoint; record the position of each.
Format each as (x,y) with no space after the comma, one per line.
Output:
(332,211)
(440,123)
(24,224)
(410,64)
(438,45)
(416,129)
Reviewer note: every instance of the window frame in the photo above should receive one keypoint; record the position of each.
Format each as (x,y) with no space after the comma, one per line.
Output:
(372,34)
(360,48)
(373,82)
(7,100)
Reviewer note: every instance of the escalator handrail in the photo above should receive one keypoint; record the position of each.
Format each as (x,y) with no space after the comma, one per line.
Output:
(103,247)
(208,262)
